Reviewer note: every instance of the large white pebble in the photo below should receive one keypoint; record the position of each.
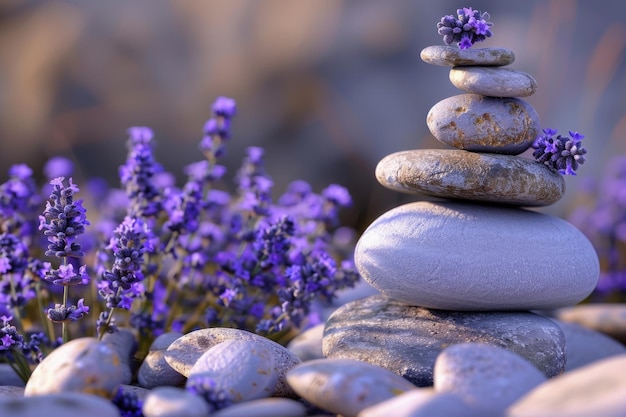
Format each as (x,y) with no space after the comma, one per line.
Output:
(485,376)
(69,404)
(423,402)
(80,365)
(345,386)
(174,402)
(264,407)
(242,368)
(470,257)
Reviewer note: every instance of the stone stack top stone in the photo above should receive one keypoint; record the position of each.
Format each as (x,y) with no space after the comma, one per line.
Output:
(451,56)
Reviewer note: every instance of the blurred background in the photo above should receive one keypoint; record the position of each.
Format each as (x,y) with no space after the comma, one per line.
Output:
(327,87)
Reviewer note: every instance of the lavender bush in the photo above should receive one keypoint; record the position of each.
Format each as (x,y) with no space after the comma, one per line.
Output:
(158,257)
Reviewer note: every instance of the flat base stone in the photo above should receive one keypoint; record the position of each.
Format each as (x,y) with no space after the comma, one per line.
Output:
(407,339)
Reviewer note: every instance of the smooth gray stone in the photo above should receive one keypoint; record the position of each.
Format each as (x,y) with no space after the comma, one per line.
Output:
(452,173)
(82,365)
(407,340)
(585,346)
(264,407)
(493,82)
(8,376)
(484,124)
(450,56)
(140,391)
(597,390)
(124,342)
(11,391)
(242,368)
(58,405)
(183,353)
(486,377)
(345,386)
(471,257)
(607,318)
(308,344)
(425,402)
(174,402)
(154,370)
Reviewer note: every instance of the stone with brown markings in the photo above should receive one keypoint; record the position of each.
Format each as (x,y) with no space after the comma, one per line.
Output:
(451,173)
(450,56)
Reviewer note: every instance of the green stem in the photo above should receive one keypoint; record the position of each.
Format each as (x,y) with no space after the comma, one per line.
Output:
(64,327)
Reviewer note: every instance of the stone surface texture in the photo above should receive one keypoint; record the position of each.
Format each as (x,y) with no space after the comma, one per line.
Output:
(484,124)
(493,82)
(487,177)
(174,402)
(607,318)
(407,340)
(459,256)
(451,56)
(68,404)
(424,403)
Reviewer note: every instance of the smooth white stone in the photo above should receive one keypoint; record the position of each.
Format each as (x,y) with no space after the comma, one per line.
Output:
(264,407)
(81,365)
(493,82)
(174,402)
(607,318)
(69,404)
(486,377)
(124,342)
(595,390)
(308,344)
(456,256)
(242,368)
(154,370)
(424,402)
(345,386)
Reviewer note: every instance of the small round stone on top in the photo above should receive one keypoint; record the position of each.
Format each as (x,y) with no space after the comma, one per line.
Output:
(451,56)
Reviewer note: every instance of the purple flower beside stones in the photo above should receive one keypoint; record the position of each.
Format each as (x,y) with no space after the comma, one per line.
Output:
(564,154)
(467,28)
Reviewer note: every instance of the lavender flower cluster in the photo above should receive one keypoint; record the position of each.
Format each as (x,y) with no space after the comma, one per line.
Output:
(467,28)
(561,153)
(163,257)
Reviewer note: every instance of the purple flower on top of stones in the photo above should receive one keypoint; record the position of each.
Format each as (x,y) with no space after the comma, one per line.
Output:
(63,220)
(561,153)
(61,313)
(128,403)
(467,28)
(206,388)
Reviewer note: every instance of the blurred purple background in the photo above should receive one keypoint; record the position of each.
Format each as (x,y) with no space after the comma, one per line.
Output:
(327,87)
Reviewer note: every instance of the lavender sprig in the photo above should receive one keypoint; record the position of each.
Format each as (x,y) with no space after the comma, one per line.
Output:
(562,153)
(467,28)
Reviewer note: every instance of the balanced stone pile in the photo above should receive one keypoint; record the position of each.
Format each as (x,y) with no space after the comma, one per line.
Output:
(469,265)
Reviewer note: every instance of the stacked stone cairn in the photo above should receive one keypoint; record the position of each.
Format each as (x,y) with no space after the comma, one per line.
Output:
(471,263)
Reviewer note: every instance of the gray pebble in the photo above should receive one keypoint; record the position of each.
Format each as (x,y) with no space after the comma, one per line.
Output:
(424,402)
(82,365)
(308,344)
(597,390)
(58,405)
(486,377)
(183,353)
(484,124)
(607,318)
(452,173)
(450,56)
(407,340)
(493,82)
(585,346)
(124,342)
(11,391)
(345,386)
(244,369)
(154,370)
(264,407)
(139,391)
(174,402)
(8,376)
(504,258)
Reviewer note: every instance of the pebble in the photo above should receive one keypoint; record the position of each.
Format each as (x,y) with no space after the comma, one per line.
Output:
(174,402)
(597,390)
(58,405)
(244,369)
(183,353)
(308,344)
(484,124)
(124,343)
(424,402)
(607,318)
(452,173)
(505,258)
(264,407)
(139,391)
(493,82)
(82,365)
(450,56)
(154,370)
(11,391)
(345,386)
(585,346)
(407,339)
(486,377)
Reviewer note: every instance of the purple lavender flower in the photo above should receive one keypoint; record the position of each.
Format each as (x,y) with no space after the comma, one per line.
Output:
(217,129)
(470,26)
(206,388)
(128,403)
(19,202)
(17,284)
(563,154)
(62,313)
(58,166)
